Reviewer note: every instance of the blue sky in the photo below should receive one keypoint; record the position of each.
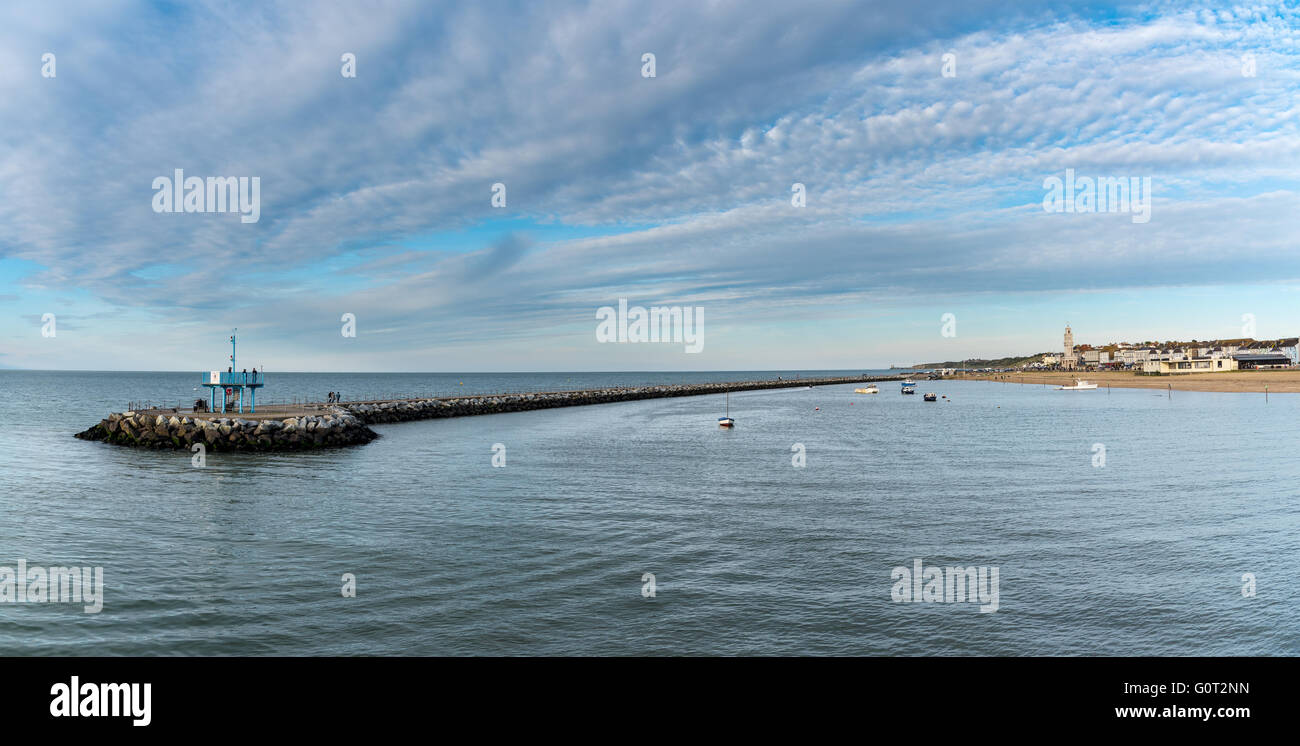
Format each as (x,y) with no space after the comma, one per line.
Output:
(924,191)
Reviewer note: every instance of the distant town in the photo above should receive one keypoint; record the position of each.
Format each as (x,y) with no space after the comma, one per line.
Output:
(1156,358)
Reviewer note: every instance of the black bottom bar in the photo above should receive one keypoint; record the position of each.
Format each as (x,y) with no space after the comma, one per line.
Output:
(238,696)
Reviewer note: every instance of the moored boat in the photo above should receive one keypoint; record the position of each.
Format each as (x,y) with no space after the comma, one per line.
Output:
(872,389)
(909,389)
(931,397)
(1078,386)
(727,421)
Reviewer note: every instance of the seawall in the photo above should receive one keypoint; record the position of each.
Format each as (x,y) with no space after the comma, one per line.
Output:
(402,410)
(332,428)
(330,425)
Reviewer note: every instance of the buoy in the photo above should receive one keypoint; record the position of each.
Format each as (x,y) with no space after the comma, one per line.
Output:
(817,409)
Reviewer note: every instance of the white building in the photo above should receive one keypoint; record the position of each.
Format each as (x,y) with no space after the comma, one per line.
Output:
(1190,365)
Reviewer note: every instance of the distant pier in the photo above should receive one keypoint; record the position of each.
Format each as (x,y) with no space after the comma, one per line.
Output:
(324,425)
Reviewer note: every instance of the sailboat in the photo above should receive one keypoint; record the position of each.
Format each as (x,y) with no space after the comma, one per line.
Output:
(727,421)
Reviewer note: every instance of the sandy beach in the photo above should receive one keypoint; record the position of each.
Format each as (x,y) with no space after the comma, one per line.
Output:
(1243,381)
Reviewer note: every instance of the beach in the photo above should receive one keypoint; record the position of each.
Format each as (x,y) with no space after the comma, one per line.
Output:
(1239,381)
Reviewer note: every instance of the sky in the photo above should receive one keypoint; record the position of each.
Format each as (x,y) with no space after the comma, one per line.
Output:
(925,137)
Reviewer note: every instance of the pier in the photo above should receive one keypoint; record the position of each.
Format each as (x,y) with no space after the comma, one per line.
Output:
(325,424)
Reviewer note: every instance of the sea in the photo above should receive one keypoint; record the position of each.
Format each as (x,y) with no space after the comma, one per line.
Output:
(1102,523)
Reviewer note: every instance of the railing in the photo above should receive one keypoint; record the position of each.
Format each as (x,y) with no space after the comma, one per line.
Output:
(235,379)
(293,404)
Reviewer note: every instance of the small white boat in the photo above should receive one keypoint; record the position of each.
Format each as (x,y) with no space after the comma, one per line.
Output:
(931,397)
(1078,386)
(872,389)
(909,389)
(727,421)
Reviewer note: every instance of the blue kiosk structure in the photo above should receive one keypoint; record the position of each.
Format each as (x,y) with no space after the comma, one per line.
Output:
(230,384)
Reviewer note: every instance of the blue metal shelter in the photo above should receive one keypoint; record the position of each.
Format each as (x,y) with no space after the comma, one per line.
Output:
(231,383)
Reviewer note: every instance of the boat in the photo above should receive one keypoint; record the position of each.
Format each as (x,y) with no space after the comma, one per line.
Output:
(931,397)
(909,389)
(727,421)
(1078,386)
(908,382)
(872,389)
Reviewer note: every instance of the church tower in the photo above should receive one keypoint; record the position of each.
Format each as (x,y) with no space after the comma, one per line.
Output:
(1068,359)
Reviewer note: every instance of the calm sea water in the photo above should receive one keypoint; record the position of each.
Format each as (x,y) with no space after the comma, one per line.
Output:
(751,555)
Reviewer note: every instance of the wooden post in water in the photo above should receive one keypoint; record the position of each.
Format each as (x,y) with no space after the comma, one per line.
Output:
(1266,393)
(1171,390)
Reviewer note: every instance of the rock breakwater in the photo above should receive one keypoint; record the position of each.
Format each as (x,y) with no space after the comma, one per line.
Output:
(322,426)
(402,410)
(331,428)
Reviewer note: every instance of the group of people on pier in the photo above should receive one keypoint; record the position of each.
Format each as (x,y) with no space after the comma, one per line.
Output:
(334,397)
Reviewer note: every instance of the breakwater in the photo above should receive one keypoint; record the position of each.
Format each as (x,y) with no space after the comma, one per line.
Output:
(332,428)
(331,425)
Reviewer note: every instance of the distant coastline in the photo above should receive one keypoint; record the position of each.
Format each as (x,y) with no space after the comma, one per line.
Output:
(1241,382)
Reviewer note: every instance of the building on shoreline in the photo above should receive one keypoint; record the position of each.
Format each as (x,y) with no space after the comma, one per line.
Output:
(1169,357)
(1190,365)
(1263,361)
